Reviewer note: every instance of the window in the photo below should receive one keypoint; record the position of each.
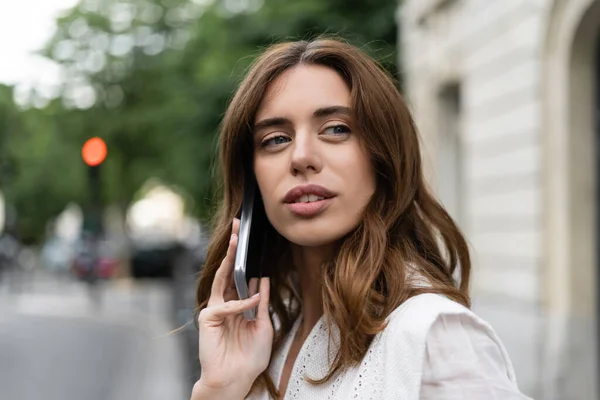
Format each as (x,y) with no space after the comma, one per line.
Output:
(450,152)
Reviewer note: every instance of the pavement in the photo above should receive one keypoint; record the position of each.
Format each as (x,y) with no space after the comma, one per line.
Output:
(57,341)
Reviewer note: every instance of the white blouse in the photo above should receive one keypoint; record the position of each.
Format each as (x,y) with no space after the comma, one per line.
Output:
(432,348)
(463,362)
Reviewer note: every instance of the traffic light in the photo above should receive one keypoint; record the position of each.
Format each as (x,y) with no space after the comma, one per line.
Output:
(94,152)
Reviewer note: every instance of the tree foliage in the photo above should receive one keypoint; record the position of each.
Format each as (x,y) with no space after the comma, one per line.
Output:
(152,78)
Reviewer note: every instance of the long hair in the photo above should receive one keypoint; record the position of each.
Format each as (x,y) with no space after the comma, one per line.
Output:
(405,232)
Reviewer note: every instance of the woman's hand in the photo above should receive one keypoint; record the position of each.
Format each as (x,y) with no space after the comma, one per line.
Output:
(232,351)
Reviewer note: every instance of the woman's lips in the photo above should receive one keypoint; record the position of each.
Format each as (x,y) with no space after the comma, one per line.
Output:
(309,209)
(295,194)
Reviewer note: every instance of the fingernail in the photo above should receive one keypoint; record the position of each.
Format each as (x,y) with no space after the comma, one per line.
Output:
(233,236)
(256,295)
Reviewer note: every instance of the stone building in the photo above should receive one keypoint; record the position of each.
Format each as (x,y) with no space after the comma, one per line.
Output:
(506,97)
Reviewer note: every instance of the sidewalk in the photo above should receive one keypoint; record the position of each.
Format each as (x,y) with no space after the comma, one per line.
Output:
(153,367)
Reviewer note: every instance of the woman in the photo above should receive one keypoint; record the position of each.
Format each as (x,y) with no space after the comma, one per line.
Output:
(359,257)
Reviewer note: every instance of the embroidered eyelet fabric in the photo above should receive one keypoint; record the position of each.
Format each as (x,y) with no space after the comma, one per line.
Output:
(432,348)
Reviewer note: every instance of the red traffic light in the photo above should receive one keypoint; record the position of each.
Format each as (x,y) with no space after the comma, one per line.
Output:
(94,152)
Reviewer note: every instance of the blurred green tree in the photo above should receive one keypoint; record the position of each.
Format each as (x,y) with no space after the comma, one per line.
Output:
(152,78)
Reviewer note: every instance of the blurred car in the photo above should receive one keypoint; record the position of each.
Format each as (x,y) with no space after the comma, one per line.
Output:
(107,263)
(57,255)
(9,251)
(153,257)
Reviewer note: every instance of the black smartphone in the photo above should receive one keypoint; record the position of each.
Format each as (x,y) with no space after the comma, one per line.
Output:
(247,257)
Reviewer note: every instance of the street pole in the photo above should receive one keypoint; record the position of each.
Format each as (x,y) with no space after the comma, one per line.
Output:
(94,153)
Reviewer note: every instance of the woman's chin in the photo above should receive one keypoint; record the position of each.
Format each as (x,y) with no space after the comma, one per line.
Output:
(322,231)
(312,238)
(310,241)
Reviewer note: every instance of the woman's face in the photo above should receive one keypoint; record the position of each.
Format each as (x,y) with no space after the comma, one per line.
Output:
(314,176)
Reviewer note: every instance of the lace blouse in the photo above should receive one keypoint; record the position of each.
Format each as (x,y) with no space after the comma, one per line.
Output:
(432,348)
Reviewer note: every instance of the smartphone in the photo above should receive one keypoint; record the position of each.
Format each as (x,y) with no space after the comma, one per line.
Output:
(246,264)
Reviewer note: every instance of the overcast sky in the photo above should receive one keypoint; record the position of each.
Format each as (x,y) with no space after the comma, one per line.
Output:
(25,25)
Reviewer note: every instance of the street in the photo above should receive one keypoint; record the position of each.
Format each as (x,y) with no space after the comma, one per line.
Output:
(57,342)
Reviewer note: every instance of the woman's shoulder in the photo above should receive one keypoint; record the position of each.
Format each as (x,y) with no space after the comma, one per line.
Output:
(416,317)
(428,320)
(419,312)
(412,321)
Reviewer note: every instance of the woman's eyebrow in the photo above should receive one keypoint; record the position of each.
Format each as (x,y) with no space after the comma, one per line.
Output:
(318,113)
(331,110)
(271,122)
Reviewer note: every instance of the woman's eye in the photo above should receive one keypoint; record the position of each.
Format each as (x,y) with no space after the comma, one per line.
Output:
(274,141)
(337,130)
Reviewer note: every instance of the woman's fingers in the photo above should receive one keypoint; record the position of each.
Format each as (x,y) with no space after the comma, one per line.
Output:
(253,286)
(263,306)
(216,315)
(230,292)
(223,275)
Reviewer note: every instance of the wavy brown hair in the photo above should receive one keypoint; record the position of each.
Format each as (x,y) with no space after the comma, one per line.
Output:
(404,228)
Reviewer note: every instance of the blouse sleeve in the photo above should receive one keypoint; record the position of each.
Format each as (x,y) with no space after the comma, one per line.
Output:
(463,362)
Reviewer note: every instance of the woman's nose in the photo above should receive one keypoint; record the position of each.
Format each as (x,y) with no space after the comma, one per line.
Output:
(306,155)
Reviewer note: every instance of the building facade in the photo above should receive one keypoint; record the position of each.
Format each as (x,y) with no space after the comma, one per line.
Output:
(506,98)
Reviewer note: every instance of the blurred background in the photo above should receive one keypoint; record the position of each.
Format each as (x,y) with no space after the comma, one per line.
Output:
(108,117)
(109,111)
